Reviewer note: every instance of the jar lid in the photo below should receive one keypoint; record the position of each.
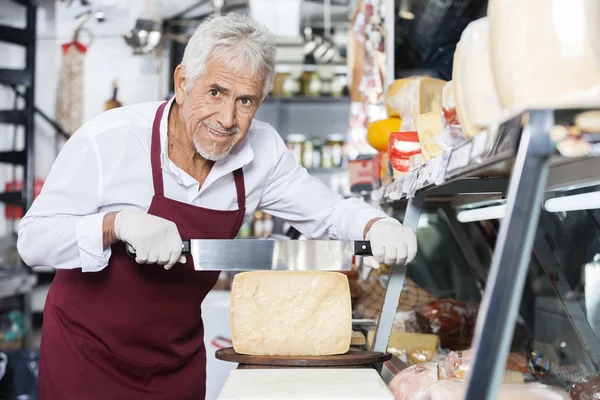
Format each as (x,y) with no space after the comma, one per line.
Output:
(336,137)
(296,137)
(284,69)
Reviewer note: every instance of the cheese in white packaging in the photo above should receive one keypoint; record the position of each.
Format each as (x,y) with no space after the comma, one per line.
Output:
(411,97)
(291,313)
(545,53)
(478,105)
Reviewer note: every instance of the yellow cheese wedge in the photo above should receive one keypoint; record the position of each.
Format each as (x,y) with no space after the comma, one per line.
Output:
(429,127)
(291,313)
(418,347)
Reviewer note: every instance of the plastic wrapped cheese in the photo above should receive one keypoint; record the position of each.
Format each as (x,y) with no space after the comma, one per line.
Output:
(411,381)
(429,129)
(414,96)
(472,74)
(392,96)
(545,54)
(454,389)
(291,313)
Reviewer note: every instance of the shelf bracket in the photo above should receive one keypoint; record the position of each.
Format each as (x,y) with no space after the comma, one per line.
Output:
(499,307)
(395,284)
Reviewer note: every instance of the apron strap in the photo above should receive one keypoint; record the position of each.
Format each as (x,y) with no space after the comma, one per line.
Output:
(157,176)
(240,187)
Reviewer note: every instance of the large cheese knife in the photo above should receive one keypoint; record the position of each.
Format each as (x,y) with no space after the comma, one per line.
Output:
(261,254)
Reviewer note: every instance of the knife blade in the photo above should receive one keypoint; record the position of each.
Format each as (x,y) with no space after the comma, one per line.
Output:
(265,254)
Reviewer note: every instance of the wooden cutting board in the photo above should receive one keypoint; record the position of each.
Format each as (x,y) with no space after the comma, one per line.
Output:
(305,383)
(353,358)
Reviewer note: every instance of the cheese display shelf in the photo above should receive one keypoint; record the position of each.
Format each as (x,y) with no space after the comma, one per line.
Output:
(532,157)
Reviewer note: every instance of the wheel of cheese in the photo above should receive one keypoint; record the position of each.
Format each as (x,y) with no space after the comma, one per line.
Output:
(479,100)
(291,313)
(545,54)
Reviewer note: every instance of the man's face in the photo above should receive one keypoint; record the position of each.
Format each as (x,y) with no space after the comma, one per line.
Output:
(219,109)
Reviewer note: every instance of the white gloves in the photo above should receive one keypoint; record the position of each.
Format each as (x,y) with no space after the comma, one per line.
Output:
(155,240)
(391,243)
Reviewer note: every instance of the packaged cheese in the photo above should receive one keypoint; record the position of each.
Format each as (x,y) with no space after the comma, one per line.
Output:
(545,54)
(412,97)
(402,146)
(477,101)
(393,95)
(429,128)
(291,313)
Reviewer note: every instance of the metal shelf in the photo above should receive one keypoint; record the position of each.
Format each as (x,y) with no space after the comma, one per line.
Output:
(483,165)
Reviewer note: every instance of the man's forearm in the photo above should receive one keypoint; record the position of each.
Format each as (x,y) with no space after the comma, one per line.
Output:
(109,237)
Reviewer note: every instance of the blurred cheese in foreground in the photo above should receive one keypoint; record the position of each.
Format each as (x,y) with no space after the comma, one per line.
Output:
(412,97)
(554,65)
(455,389)
(291,313)
(429,128)
(478,103)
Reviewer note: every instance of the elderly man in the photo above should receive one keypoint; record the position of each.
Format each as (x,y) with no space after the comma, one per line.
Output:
(149,175)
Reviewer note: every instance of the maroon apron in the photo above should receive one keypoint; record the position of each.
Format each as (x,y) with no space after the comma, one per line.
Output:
(134,331)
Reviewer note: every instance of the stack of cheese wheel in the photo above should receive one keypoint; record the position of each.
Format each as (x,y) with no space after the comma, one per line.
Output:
(545,54)
(477,104)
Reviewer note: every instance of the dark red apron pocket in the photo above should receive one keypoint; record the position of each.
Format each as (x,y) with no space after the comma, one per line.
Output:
(103,373)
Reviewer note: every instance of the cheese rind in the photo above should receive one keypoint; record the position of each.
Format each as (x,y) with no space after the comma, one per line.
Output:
(554,65)
(291,313)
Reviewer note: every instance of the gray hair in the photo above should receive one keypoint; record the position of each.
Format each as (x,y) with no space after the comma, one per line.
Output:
(234,38)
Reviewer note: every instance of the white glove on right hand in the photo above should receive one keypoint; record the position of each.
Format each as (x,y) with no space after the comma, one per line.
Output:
(391,243)
(155,239)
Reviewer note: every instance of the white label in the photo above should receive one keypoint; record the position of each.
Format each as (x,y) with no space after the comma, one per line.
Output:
(459,158)
(479,144)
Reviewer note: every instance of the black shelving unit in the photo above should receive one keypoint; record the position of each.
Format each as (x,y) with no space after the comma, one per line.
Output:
(19,282)
(24,79)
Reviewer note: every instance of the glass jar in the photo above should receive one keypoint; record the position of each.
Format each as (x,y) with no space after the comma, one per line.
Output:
(335,143)
(295,142)
(307,154)
(310,83)
(339,82)
(316,159)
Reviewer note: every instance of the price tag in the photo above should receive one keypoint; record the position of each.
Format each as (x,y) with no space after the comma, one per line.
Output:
(480,142)
(459,158)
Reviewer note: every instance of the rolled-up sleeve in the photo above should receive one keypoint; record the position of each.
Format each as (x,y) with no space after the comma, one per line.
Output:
(63,228)
(309,205)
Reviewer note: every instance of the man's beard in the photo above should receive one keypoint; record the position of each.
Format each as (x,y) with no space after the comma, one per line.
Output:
(210,152)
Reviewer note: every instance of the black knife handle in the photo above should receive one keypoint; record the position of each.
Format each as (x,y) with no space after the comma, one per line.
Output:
(185,248)
(362,248)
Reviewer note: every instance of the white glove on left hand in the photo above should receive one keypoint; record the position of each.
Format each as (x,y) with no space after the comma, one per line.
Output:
(391,243)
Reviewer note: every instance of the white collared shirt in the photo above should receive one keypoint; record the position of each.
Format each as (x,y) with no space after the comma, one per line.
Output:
(105,167)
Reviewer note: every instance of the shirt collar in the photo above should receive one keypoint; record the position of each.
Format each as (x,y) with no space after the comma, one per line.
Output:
(240,156)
